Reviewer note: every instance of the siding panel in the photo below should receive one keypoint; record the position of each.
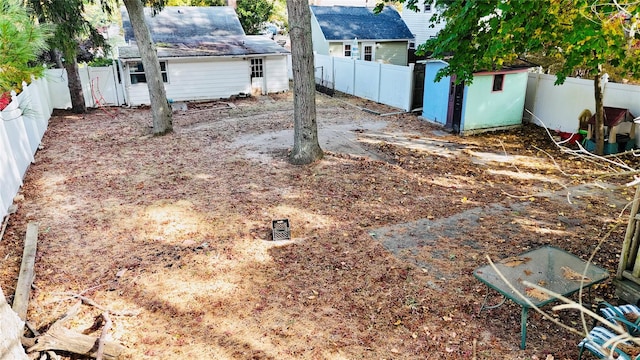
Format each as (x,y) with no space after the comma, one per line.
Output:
(276,72)
(199,79)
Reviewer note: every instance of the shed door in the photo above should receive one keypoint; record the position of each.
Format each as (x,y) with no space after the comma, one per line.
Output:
(454,111)
(258,79)
(418,86)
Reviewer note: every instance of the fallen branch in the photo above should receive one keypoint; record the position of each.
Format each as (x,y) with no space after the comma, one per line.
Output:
(62,339)
(87,301)
(103,335)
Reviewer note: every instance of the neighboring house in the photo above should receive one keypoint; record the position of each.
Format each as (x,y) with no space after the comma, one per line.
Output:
(204,55)
(494,100)
(356,32)
(369,3)
(419,22)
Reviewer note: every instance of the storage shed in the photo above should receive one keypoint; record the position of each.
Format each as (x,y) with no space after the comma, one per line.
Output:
(204,54)
(495,99)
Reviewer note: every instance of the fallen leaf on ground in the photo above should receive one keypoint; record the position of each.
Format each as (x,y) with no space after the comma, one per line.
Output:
(515,261)
(537,294)
(571,274)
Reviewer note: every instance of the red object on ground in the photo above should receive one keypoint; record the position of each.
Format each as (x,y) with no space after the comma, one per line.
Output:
(573,138)
(5,100)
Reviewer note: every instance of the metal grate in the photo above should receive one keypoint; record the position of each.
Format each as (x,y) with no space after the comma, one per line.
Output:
(280,229)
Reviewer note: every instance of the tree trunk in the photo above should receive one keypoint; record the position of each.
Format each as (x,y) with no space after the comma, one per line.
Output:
(56,58)
(306,148)
(599,124)
(78,105)
(160,109)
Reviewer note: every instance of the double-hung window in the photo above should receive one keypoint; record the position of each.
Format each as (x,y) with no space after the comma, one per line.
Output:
(347,50)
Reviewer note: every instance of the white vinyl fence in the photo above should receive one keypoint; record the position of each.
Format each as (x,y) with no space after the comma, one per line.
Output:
(387,84)
(100,86)
(558,107)
(22,125)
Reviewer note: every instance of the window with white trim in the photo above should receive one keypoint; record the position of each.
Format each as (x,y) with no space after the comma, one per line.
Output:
(136,72)
(368,53)
(427,8)
(347,50)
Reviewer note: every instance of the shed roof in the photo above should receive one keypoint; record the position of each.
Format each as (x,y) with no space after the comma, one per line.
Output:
(212,46)
(349,22)
(174,24)
(190,31)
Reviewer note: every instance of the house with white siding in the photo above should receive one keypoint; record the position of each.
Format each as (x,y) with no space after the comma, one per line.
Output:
(359,33)
(368,3)
(419,21)
(204,54)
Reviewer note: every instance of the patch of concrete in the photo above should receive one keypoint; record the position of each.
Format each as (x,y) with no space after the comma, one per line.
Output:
(425,232)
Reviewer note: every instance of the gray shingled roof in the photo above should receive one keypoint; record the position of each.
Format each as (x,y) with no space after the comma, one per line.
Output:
(174,24)
(212,46)
(181,31)
(349,22)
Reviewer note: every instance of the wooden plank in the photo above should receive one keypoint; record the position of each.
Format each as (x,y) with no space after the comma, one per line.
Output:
(629,276)
(633,249)
(25,279)
(627,290)
(626,245)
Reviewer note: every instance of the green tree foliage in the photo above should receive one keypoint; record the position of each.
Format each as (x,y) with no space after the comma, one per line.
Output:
(279,14)
(581,34)
(21,43)
(71,26)
(253,13)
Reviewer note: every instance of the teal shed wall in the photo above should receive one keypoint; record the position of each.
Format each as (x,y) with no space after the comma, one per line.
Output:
(436,94)
(484,108)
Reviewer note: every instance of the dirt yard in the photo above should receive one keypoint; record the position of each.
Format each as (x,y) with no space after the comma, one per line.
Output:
(176,232)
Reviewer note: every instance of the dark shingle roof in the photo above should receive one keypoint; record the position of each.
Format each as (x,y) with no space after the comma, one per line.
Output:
(212,46)
(349,22)
(181,31)
(174,24)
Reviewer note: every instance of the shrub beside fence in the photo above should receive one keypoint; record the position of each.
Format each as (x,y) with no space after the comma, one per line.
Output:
(22,125)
